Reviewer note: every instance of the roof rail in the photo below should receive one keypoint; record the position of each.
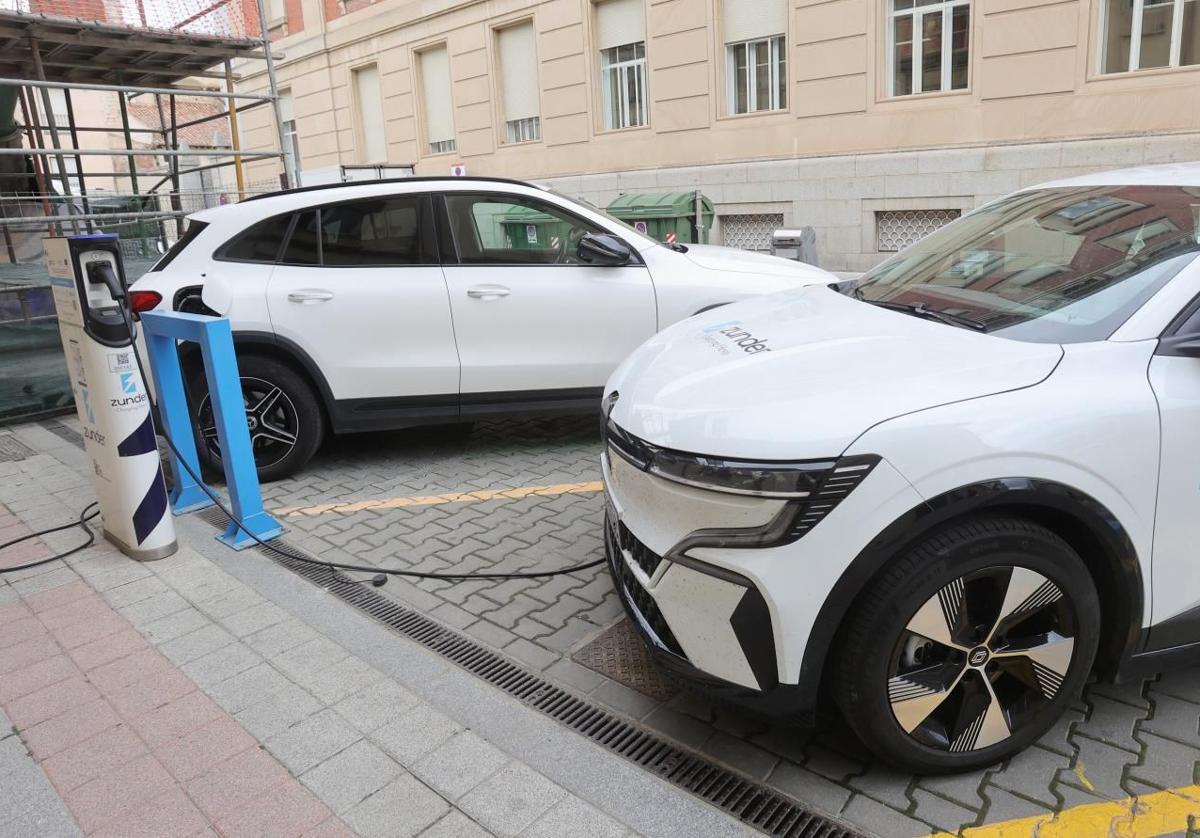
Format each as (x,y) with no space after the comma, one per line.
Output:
(410,179)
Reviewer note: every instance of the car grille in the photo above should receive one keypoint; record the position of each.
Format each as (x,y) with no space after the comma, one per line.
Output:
(646,558)
(635,595)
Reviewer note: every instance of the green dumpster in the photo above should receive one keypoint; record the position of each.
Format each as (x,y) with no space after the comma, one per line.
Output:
(527,229)
(658,214)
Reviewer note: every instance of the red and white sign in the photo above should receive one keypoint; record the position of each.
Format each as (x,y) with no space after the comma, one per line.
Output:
(458,170)
(671,238)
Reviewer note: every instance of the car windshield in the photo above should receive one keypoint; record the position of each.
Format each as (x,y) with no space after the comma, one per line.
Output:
(1056,265)
(593,208)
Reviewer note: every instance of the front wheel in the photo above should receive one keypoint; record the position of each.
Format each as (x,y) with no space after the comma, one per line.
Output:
(969,647)
(282,414)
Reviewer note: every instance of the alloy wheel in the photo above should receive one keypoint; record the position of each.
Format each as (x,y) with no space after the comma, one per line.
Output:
(271,418)
(980,658)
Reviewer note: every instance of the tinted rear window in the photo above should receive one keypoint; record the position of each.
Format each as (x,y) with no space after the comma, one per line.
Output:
(383,231)
(259,243)
(189,235)
(302,247)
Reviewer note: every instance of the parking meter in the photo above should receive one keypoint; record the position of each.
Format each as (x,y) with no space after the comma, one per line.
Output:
(88,280)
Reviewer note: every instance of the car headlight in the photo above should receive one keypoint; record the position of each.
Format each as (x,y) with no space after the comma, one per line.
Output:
(812,487)
(741,477)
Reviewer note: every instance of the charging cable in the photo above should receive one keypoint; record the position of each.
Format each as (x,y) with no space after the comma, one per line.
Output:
(114,288)
(89,512)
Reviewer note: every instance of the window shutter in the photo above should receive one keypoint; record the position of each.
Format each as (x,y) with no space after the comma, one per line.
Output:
(435,84)
(620,22)
(519,72)
(370,114)
(746,20)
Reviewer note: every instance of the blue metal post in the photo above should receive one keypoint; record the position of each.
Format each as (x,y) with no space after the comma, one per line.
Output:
(224,384)
(237,453)
(186,494)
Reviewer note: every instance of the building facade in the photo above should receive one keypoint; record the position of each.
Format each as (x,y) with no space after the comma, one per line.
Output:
(871,120)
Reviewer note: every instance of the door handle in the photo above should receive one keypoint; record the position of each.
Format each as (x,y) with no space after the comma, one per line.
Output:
(308,296)
(488,292)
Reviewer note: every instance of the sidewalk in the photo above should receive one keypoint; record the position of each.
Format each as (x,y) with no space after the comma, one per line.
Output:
(216,693)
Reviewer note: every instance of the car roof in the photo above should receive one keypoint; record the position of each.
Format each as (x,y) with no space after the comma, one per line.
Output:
(284,200)
(410,179)
(1168,174)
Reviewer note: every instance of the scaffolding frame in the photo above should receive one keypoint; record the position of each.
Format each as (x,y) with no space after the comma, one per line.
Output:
(78,55)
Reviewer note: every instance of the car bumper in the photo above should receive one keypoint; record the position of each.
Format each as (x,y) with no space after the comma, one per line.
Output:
(737,620)
(752,634)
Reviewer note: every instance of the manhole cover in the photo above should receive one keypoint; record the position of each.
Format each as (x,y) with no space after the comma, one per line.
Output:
(620,655)
(12,450)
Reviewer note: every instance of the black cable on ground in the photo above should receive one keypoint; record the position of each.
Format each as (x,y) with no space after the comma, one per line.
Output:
(416,574)
(86,515)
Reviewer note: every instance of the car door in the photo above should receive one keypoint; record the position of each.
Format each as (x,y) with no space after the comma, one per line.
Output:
(1175,378)
(530,317)
(360,290)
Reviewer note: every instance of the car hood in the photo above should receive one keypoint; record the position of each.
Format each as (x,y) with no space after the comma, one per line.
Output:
(802,373)
(730,259)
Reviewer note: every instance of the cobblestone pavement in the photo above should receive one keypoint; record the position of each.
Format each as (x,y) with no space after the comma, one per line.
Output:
(172,698)
(1117,742)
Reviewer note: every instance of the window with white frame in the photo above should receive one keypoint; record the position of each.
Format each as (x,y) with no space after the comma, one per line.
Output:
(369,101)
(519,83)
(928,45)
(1144,34)
(291,140)
(439,108)
(755,34)
(621,36)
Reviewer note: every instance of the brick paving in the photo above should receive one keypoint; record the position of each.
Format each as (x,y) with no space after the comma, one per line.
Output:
(128,741)
(169,698)
(1116,742)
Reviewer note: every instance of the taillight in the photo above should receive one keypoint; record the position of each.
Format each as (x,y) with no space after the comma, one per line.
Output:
(140,301)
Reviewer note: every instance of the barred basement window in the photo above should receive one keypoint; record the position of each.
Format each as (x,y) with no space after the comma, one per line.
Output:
(443,147)
(524,130)
(897,229)
(752,231)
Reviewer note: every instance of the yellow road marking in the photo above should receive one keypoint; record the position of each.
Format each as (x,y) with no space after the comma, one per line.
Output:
(1145,816)
(434,500)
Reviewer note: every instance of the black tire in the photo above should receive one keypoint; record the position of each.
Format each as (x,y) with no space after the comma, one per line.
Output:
(887,671)
(295,413)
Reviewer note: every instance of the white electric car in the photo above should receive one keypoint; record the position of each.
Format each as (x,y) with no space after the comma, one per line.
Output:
(941,497)
(431,300)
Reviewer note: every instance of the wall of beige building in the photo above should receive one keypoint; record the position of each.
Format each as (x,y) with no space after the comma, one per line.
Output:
(1036,107)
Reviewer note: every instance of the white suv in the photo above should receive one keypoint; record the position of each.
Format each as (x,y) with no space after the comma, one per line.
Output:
(431,300)
(943,495)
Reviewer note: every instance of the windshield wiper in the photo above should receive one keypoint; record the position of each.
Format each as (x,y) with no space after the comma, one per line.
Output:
(919,310)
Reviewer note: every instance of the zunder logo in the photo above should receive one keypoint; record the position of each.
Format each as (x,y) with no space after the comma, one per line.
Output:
(740,336)
(128,383)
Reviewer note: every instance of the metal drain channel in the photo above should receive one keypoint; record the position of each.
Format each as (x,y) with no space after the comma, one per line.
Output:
(63,431)
(743,798)
(12,450)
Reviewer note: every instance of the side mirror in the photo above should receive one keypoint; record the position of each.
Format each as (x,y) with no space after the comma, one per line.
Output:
(604,250)
(1180,346)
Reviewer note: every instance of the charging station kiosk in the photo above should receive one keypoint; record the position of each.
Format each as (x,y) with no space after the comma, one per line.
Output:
(88,280)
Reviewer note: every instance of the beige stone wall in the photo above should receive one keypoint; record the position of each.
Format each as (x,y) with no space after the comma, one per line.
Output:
(1035,108)
(1033,77)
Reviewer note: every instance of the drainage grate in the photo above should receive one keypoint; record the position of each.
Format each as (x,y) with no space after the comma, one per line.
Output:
(63,431)
(620,655)
(748,801)
(12,450)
